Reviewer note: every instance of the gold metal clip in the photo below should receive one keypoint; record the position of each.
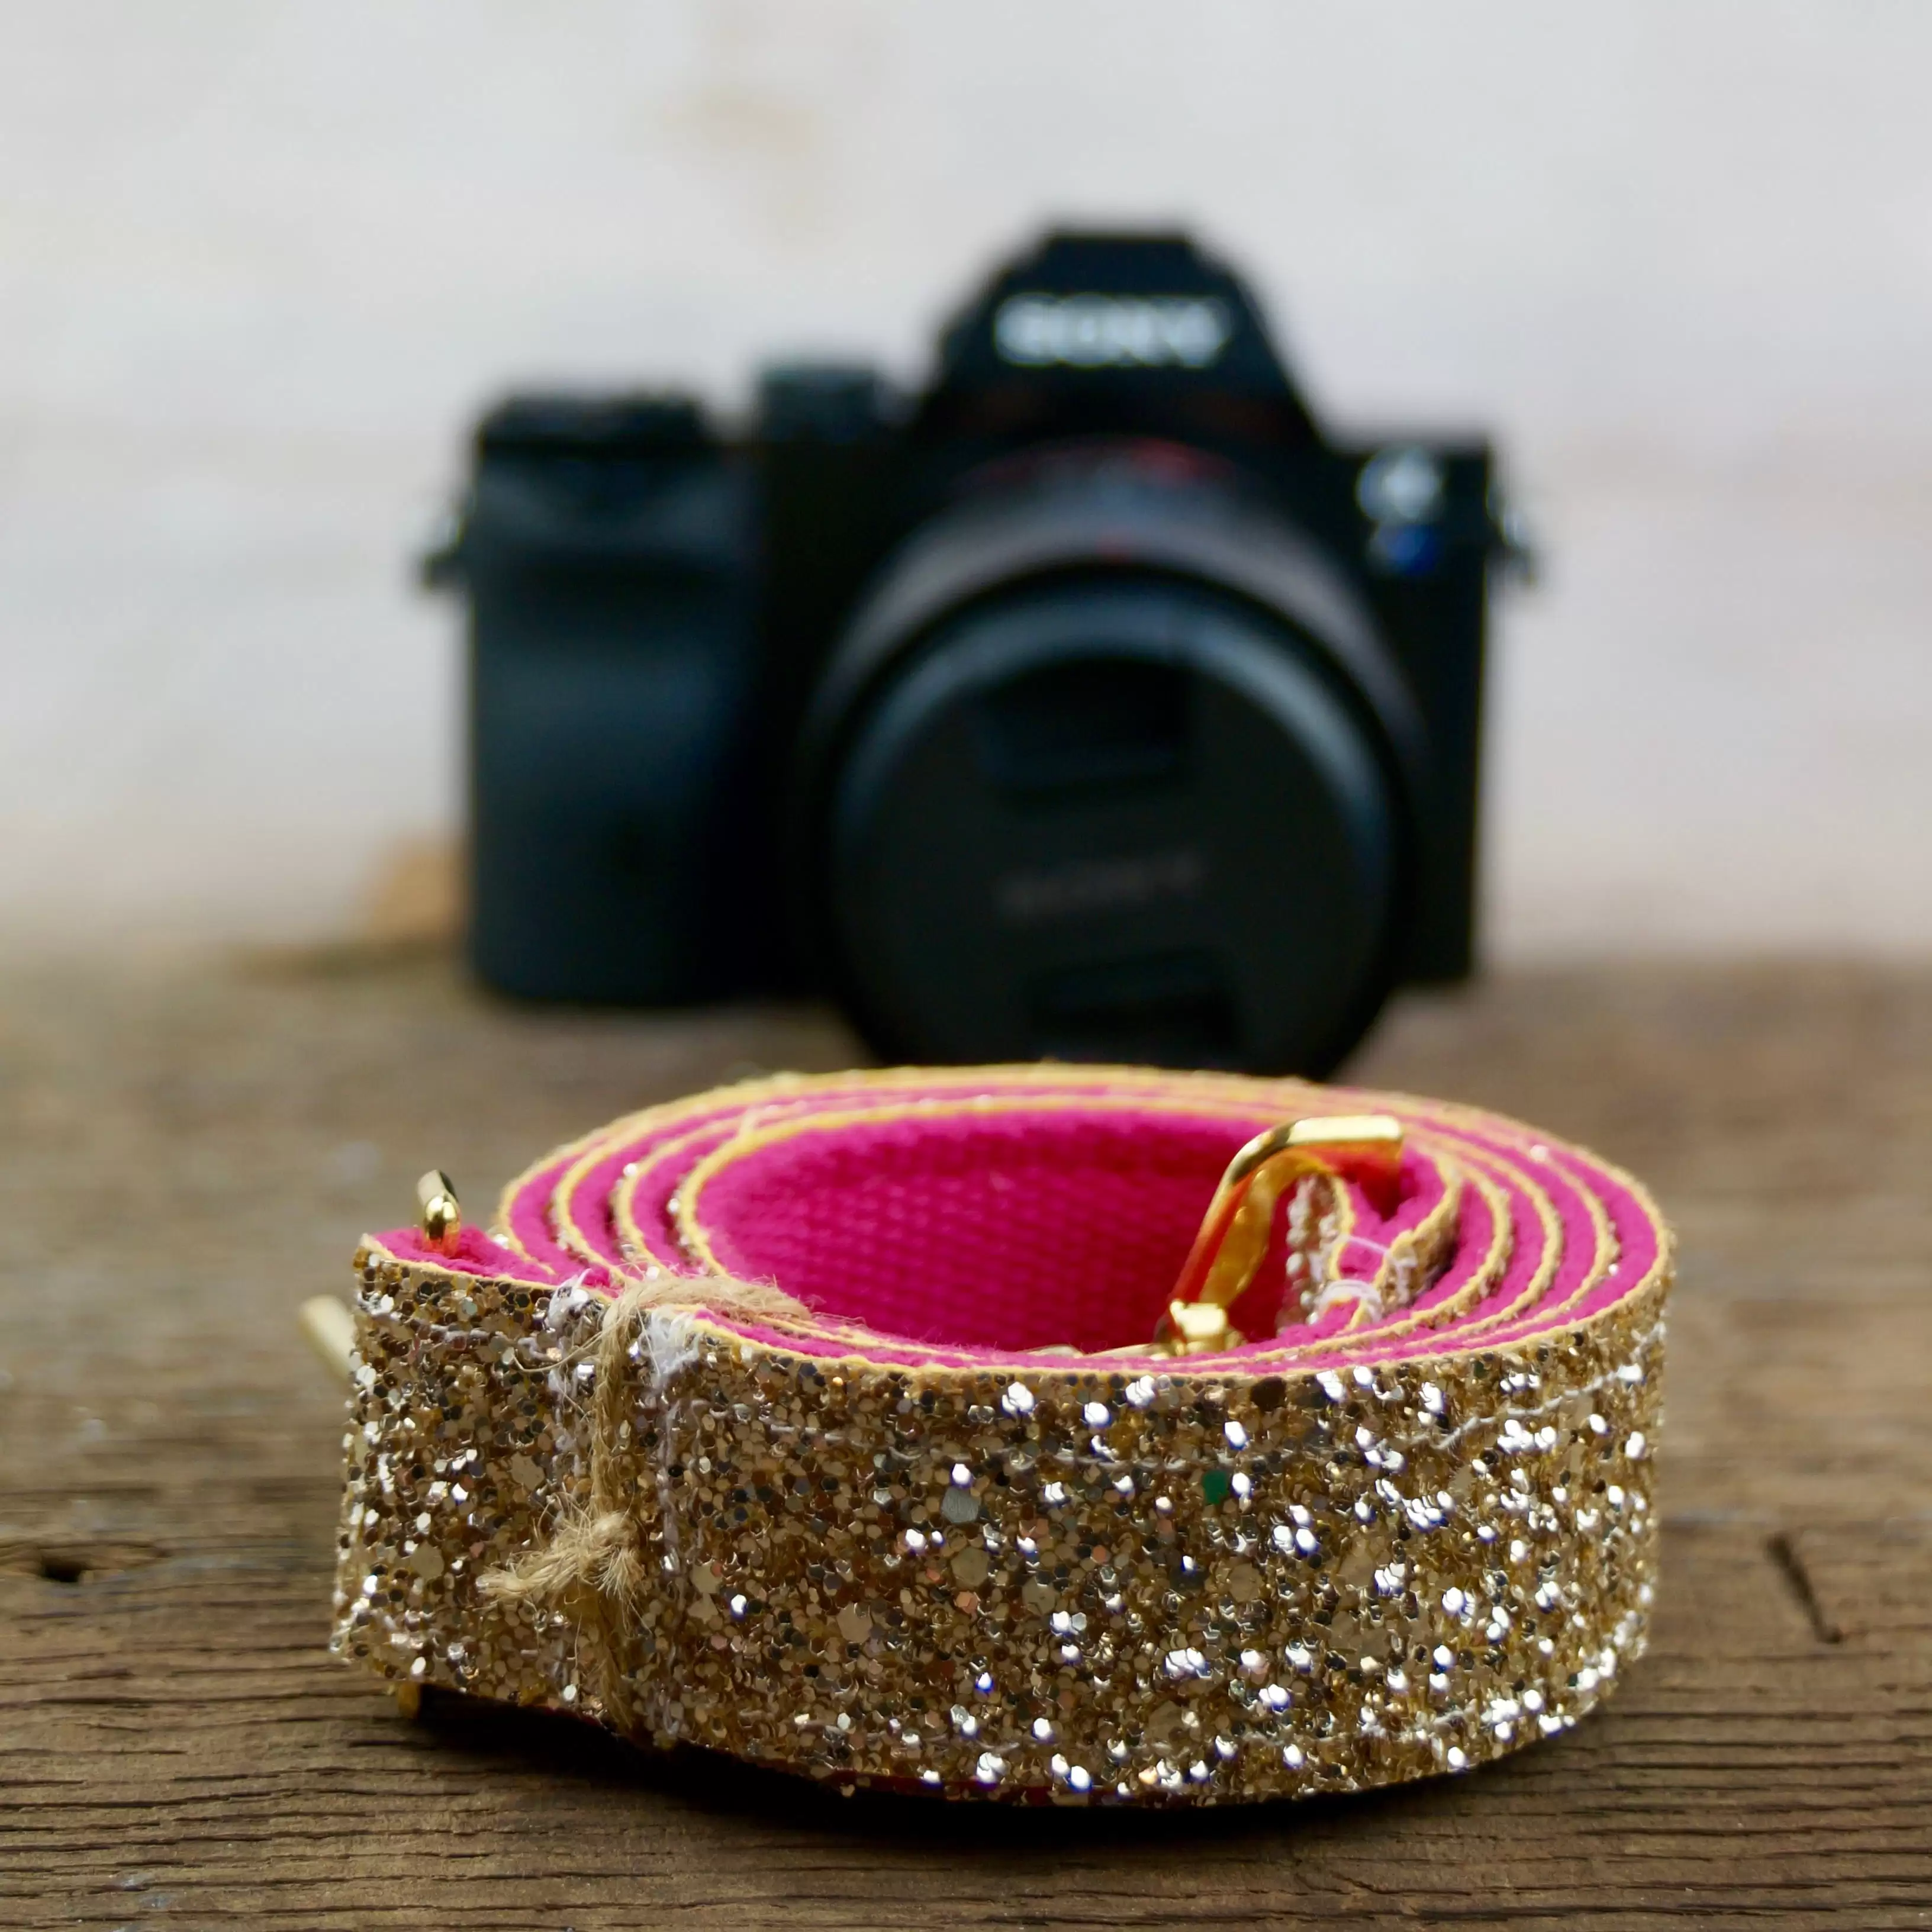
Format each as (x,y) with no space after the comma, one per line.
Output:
(329,1329)
(1234,1233)
(441,1216)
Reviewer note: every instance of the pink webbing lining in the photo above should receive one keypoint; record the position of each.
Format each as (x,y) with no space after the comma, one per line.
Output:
(955,1217)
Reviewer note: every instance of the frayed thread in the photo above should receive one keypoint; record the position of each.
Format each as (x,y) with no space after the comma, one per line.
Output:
(593,1568)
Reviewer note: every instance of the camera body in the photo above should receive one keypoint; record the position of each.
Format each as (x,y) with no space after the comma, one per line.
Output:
(1091,703)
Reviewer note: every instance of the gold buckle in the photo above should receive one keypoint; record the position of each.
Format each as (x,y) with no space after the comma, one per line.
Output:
(1234,1233)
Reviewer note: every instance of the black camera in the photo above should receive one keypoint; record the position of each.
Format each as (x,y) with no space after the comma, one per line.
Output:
(1091,703)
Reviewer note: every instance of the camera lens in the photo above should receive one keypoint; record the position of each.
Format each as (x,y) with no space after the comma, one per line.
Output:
(1104,775)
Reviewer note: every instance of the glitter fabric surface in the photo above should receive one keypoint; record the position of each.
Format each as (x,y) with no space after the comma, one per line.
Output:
(922,1507)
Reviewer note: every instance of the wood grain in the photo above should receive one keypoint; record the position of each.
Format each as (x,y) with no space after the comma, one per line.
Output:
(188,1150)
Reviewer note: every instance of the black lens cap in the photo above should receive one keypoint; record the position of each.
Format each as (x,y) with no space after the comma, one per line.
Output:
(1122,819)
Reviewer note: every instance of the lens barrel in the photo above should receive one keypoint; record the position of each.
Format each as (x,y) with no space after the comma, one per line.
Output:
(1111,765)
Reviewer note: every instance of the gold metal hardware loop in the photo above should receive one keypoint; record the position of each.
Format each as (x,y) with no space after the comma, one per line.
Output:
(1233,1232)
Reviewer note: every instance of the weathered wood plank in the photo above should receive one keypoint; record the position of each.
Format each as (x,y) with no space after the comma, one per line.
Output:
(175,1748)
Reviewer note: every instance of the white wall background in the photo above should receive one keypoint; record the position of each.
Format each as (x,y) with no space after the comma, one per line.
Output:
(258,264)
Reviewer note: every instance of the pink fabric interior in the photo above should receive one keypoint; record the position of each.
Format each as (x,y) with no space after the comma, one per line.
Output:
(1014,1230)
(1021,1232)
(969,1228)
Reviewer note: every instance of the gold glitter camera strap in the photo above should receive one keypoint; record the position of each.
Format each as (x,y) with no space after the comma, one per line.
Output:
(1071,1434)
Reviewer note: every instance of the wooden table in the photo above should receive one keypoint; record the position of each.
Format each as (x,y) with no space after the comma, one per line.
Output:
(188,1150)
